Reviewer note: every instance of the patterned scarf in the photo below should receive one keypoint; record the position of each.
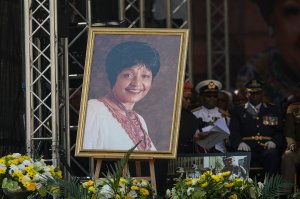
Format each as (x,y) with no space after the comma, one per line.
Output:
(130,121)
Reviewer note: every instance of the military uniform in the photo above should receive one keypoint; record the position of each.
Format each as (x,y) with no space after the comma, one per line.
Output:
(291,159)
(258,127)
(255,129)
(209,112)
(208,117)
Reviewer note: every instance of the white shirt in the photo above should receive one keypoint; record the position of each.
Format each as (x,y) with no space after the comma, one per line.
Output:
(208,115)
(103,131)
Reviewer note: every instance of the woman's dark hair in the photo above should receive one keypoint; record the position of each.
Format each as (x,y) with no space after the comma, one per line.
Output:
(130,53)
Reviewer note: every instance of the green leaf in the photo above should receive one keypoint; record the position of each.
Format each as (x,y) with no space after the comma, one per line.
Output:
(10,184)
(275,186)
(116,171)
(42,191)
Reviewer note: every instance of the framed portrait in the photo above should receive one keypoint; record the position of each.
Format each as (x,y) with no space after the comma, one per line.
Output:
(132,91)
(238,163)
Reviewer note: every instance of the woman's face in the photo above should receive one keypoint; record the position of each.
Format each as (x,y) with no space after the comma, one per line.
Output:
(286,24)
(133,84)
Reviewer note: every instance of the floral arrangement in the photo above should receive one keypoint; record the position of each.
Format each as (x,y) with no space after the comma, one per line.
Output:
(227,185)
(22,173)
(114,185)
(129,188)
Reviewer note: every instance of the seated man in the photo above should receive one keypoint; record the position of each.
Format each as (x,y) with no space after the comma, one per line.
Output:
(209,112)
(291,157)
(257,127)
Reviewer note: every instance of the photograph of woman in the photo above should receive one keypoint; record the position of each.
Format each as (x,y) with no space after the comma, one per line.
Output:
(111,121)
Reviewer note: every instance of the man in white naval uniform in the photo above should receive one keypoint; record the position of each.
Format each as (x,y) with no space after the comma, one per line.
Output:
(209,112)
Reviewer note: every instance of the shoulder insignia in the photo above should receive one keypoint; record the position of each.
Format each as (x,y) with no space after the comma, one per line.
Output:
(292,107)
(196,109)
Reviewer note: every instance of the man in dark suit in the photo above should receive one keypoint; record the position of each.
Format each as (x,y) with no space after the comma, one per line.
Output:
(257,127)
(291,157)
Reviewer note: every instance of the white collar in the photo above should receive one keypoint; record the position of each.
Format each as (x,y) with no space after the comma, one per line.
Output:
(209,110)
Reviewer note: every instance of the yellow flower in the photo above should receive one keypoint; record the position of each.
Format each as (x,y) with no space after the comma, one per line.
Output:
(233,196)
(238,181)
(188,182)
(226,173)
(117,196)
(14,161)
(134,188)
(144,192)
(51,170)
(17,174)
(91,189)
(206,174)
(89,183)
(122,181)
(205,184)
(129,197)
(30,186)
(229,185)
(58,174)
(217,178)
(23,157)
(2,161)
(134,181)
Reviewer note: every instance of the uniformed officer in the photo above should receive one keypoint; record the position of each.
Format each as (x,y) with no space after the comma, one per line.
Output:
(291,157)
(209,112)
(257,127)
(233,168)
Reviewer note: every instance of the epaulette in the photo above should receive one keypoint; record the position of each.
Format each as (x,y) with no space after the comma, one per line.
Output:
(224,113)
(196,109)
(292,107)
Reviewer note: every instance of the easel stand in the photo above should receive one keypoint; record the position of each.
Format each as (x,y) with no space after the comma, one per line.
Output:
(138,168)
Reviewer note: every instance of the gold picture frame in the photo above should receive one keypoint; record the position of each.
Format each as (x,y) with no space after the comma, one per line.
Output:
(160,109)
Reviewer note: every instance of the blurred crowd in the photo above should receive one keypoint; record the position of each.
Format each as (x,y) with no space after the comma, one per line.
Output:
(270,132)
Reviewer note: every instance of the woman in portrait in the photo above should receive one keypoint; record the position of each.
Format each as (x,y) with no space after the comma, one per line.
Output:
(111,122)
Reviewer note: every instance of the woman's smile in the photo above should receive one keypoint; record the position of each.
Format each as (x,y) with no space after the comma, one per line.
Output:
(133,84)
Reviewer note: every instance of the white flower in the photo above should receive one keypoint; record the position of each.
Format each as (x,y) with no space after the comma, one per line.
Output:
(21,167)
(133,194)
(16,155)
(26,178)
(3,166)
(27,162)
(46,169)
(122,189)
(249,180)
(40,177)
(144,183)
(106,191)
(47,174)
(260,185)
(189,191)
(168,193)
(39,165)
(13,168)
(194,181)
(233,176)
